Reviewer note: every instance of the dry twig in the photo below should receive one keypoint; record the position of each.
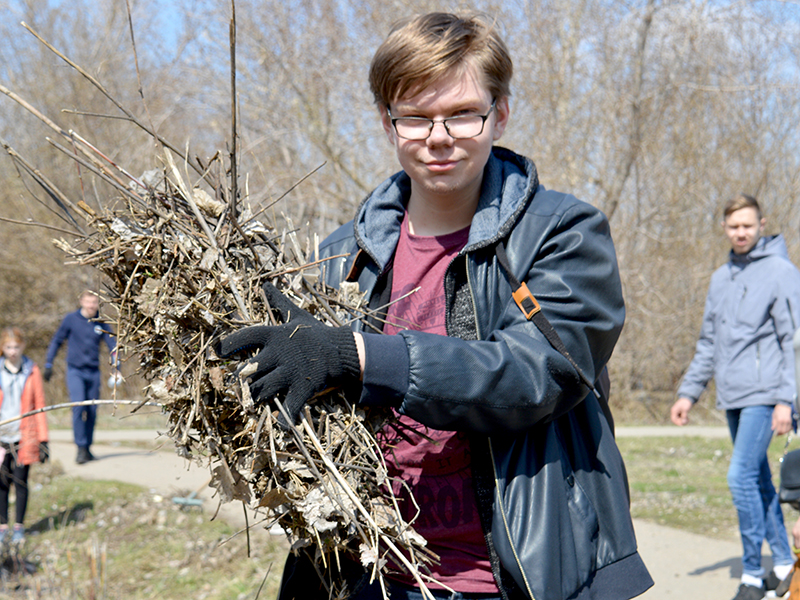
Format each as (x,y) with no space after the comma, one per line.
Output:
(184,264)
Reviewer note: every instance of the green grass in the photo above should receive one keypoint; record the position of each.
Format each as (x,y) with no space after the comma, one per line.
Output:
(107,540)
(682,482)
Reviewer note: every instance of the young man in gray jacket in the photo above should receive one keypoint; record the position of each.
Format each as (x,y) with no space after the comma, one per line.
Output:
(752,312)
(508,452)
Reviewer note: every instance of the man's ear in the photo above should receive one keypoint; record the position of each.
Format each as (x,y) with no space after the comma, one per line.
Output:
(502,114)
(388,128)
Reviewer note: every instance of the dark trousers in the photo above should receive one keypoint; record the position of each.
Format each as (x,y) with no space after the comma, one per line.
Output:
(301,582)
(83,384)
(16,474)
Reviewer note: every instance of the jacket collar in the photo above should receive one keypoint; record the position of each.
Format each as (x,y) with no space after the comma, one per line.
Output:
(509,183)
(771,245)
(26,368)
(767,245)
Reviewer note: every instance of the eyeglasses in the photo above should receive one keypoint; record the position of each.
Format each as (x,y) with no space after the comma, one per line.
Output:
(461,127)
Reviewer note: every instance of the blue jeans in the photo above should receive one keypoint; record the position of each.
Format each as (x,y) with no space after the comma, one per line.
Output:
(83,384)
(754,496)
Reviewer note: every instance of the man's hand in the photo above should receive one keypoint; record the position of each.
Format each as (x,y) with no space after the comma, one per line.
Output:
(680,411)
(796,533)
(47,374)
(301,358)
(782,419)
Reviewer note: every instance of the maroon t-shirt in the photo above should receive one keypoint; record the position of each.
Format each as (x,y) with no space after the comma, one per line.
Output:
(434,464)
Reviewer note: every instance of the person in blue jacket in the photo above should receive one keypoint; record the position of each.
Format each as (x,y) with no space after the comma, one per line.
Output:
(83,336)
(506,448)
(751,314)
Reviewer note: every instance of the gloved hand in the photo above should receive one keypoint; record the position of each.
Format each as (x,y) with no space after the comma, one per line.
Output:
(48,373)
(302,357)
(44,452)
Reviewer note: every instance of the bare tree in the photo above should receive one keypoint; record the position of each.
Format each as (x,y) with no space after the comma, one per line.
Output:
(654,110)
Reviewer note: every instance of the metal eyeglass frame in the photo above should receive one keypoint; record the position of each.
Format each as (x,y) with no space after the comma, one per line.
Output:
(432,122)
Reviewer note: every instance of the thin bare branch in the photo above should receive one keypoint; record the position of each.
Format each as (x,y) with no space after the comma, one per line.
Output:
(81,403)
(105,92)
(138,73)
(34,224)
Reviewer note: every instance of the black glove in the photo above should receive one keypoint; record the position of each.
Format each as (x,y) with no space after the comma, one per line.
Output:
(48,373)
(302,357)
(44,452)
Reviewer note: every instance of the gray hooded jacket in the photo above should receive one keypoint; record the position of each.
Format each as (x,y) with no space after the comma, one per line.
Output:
(752,311)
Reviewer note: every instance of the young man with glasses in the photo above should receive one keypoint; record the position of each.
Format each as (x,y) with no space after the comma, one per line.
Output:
(507,450)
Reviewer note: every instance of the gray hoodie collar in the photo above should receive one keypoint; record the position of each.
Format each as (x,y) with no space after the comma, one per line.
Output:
(771,245)
(26,368)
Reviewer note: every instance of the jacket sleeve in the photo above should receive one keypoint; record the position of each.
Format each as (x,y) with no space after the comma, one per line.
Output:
(786,316)
(60,336)
(42,433)
(701,369)
(512,378)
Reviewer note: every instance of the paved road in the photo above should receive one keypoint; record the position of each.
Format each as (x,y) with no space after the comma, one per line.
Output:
(683,565)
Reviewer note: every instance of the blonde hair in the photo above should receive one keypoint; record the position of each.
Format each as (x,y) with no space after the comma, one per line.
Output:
(421,50)
(13,334)
(739,202)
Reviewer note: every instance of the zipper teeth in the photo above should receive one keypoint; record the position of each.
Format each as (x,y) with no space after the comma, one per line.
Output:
(499,501)
(758,360)
(498,498)
(472,298)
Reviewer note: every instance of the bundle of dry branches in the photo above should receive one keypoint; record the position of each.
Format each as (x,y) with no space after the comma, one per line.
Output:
(185,260)
(183,271)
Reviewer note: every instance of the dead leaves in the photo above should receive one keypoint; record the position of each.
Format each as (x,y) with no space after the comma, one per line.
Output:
(181,275)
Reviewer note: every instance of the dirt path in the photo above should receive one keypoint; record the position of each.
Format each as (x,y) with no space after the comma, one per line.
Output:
(683,565)
(686,565)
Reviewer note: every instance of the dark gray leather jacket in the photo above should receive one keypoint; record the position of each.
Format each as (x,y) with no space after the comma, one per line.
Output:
(549,479)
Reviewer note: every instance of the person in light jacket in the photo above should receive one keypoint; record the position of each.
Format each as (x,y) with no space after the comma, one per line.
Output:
(751,314)
(22,441)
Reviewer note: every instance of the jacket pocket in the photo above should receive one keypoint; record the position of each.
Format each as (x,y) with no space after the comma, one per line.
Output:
(545,527)
(585,528)
(580,556)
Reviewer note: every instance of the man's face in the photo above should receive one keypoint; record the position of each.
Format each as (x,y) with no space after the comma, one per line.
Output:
(744,229)
(441,166)
(90,304)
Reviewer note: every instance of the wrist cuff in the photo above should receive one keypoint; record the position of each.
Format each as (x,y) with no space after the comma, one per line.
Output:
(348,353)
(385,378)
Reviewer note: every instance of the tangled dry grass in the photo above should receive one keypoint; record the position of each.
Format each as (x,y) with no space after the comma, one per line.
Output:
(185,257)
(184,269)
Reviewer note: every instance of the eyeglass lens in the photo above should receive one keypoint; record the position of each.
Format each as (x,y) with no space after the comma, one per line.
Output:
(458,127)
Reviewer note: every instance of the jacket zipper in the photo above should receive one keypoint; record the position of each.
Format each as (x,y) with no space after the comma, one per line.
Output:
(758,360)
(498,498)
(472,297)
(499,501)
